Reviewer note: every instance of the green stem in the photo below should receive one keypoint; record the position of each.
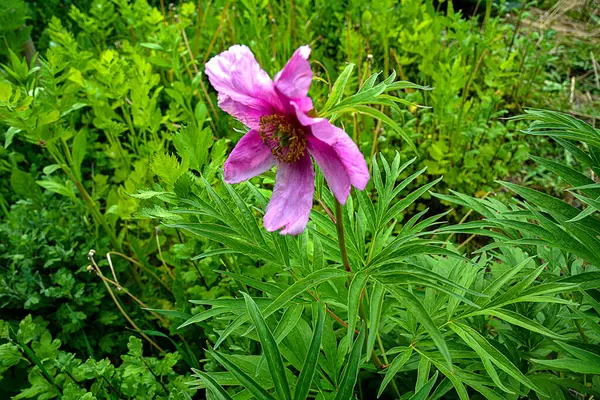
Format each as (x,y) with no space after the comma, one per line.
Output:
(339,225)
(33,359)
(129,122)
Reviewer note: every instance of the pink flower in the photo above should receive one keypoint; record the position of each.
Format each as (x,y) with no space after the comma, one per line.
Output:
(283,134)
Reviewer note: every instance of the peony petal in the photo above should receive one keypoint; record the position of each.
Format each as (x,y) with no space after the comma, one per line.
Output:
(348,154)
(332,168)
(301,111)
(245,90)
(249,158)
(292,198)
(247,115)
(294,79)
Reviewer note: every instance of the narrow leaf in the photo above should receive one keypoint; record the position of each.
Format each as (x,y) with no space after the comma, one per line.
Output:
(244,379)
(309,368)
(350,374)
(414,305)
(354,297)
(269,346)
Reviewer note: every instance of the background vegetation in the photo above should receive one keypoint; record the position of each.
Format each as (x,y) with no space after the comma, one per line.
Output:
(128,269)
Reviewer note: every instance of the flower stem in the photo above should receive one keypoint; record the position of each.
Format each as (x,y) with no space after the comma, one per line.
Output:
(339,224)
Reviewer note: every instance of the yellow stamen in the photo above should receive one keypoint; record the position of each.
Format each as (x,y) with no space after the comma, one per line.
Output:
(286,141)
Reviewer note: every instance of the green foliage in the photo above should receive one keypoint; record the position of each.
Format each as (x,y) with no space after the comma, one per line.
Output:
(54,373)
(473,320)
(559,233)
(113,141)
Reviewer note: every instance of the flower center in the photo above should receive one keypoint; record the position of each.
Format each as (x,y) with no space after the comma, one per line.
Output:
(287,142)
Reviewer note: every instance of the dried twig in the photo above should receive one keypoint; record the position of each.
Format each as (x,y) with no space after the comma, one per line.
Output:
(97,270)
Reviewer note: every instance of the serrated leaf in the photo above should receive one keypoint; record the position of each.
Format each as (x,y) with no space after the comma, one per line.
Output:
(194,144)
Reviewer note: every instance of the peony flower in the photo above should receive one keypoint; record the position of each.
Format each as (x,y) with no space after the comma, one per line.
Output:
(283,133)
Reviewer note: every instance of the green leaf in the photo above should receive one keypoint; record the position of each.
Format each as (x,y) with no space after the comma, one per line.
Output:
(78,152)
(376,304)
(585,355)
(569,364)
(167,167)
(388,121)
(354,297)
(574,178)
(519,320)
(212,385)
(398,207)
(33,356)
(338,88)
(146,194)
(48,118)
(506,277)
(172,314)
(269,346)
(309,368)
(5,91)
(444,387)
(247,214)
(303,285)
(193,144)
(426,389)
(414,305)
(55,187)
(152,46)
(287,323)
(391,371)
(450,373)
(24,185)
(11,132)
(350,374)
(244,379)
(488,352)
(288,295)
(9,356)
(213,312)
(423,370)
(266,287)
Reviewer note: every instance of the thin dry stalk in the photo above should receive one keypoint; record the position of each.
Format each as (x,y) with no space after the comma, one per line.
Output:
(140,265)
(95,267)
